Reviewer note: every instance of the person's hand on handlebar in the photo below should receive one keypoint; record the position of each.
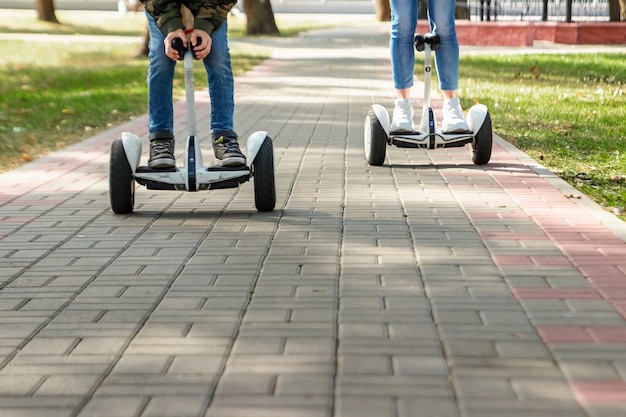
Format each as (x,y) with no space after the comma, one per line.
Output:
(201,44)
(169,49)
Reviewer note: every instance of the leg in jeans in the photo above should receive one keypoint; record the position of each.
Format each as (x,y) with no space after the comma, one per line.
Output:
(441,19)
(403,22)
(221,84)
(160,79)
(402,51)
(160,108)
(221,90)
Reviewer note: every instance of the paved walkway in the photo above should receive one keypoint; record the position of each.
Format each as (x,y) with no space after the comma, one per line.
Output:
(428,287)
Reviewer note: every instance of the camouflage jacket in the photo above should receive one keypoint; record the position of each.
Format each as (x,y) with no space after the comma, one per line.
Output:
(208,14)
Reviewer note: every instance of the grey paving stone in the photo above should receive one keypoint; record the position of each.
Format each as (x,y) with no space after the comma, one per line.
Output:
(174,406)
(389,386)
(364,406)
(304,384)
(114,406)
(577,318)
(591,370)
(246,384)
(286,410)
(605,410)
(414,407)
(68,385)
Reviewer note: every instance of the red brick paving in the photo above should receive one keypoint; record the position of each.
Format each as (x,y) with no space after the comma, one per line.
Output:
(599,391)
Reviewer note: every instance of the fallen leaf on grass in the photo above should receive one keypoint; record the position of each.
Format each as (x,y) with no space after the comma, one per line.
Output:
(535,72)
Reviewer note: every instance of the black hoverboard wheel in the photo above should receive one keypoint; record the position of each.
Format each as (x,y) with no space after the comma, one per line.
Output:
(263,173)
(374,140)
(121,181)
(482,143)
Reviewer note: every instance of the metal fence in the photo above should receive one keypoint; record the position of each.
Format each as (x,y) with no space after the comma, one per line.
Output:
(539,10)
(500,10)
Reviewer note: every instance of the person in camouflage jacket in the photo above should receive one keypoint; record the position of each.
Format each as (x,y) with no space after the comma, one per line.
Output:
(210,43)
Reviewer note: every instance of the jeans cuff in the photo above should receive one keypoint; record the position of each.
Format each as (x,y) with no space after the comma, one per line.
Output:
(161,134)
(225,133)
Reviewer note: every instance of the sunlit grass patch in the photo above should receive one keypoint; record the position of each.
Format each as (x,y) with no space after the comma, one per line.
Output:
(567,111)
(56,96)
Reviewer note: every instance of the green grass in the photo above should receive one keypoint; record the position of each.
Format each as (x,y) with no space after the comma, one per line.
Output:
(57,91)
(566,111)
(73,22)
(51,100)
(133,24)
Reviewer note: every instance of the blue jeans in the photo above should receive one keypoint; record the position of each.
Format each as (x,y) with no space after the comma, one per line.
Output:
(403,23)
(160,83)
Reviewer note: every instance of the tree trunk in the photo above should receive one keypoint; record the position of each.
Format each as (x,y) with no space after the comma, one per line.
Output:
(260,18)
(462,10)
(614,10)
(45,11)
(617,10)
(144,49)
(383,11)
(422,9)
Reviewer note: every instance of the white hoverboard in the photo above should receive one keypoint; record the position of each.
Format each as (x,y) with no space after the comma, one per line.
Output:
(124,168)
(377,124)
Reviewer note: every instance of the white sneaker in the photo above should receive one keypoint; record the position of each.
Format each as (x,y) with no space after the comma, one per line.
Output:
(402,120)
(453,120)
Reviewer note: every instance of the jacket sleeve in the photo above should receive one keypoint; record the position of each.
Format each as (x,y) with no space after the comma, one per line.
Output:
(209,14)
(166,13)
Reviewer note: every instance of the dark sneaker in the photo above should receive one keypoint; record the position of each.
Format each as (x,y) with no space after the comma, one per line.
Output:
(227,152)
(161,154)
